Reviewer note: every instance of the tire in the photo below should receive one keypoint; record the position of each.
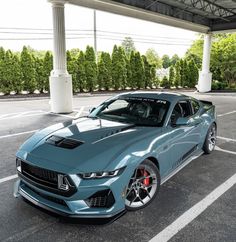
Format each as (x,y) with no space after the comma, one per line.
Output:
(210,140)
(143,186)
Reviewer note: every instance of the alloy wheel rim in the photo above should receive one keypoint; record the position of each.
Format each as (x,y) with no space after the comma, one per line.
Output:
(142,187)
(212,138)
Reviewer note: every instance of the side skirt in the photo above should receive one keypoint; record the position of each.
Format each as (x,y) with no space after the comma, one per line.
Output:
(186,162)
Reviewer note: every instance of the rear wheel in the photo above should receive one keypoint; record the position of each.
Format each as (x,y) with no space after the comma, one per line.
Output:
(210,141)
(143,186)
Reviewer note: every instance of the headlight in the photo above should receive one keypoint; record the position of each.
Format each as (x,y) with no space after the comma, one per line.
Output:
(18,164)
(101,174)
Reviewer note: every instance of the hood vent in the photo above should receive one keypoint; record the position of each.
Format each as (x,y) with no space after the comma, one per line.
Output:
(63,142)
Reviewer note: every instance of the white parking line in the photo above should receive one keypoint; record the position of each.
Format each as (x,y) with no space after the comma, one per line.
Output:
(194,211)
(226,139)
(17,134)
(81,110)
(223,114)
(8,178)
(226,151)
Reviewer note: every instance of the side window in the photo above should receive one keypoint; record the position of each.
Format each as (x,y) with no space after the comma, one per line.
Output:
(177,113)
(186,108)
(195,106)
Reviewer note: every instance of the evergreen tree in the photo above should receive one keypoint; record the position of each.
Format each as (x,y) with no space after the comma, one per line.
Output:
(137,69)
(174,59)
(165,82)
(185,73)
(166,61)
(90,69)
(72,68)
(47,68)
(193,74)
(104,71)
(177,80)
(182,74)
(28,70)
(7,73)
(118,68)
(171,76)
(81,73)
(154,78)
(16,74)
(39,74)
(128,72)
(147,72)
(108,65)
(132,81)
(2,58)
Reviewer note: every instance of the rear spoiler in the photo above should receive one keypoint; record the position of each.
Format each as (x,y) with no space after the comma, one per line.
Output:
(206,102)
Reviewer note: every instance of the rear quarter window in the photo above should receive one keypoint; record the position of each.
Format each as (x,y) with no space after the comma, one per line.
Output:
(195,105)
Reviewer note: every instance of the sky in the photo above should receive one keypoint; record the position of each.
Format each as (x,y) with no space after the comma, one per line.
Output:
(29,22)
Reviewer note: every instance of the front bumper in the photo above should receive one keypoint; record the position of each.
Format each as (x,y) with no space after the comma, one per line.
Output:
(77,205)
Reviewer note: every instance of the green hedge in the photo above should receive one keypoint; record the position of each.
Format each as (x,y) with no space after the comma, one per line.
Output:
(29,70)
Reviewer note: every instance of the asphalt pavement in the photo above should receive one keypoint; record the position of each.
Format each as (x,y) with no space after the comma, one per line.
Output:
(177,199)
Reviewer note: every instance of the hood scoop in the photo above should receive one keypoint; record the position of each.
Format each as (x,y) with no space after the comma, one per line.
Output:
(63,142)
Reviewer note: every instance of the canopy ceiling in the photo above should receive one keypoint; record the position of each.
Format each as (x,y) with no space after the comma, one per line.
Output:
(196,15)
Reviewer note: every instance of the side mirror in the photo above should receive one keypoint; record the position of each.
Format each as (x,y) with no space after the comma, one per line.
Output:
(91,109)
(181,121)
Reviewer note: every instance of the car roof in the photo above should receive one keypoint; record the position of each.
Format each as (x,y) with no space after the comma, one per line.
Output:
(168,96)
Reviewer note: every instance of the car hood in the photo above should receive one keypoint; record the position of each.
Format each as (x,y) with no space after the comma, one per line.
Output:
(101,142)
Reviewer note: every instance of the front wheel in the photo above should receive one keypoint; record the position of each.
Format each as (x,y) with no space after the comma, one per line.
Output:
(143,186)
(210,141)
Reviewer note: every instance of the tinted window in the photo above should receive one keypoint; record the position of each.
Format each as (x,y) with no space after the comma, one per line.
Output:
(186,108)
(195,106)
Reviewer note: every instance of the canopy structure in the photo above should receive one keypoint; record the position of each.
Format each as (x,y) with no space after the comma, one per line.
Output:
(204,16)
(196,15)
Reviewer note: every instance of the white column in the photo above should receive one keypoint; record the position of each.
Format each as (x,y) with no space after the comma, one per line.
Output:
(60,81)
(205,76)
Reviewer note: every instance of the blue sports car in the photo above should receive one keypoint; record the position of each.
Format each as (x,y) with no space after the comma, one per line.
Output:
(116,158)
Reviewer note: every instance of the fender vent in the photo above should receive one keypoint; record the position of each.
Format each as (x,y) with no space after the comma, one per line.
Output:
(63,142)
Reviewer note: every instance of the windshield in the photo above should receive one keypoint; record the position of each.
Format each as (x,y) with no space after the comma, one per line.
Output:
(135,110)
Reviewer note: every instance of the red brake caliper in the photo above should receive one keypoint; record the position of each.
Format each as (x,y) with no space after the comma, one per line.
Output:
(146,181)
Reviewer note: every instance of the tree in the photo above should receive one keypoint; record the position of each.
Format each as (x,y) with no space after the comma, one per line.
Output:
(177,81)
(171,76)
(165,82)
(118,68)
(128,45)
(147,72)
(39,74)
(90,69)
(104,71)
(154,79)
(81,78)
(223,59)
(139,73)
(28,70)
(166,61)
(2,58)
(153,58)
(193,74)
(7,72)
(47,68)
(72,67)
(174,59)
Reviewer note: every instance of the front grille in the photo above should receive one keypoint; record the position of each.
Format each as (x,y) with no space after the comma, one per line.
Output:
(101,199)
(40,175)
(46,179)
